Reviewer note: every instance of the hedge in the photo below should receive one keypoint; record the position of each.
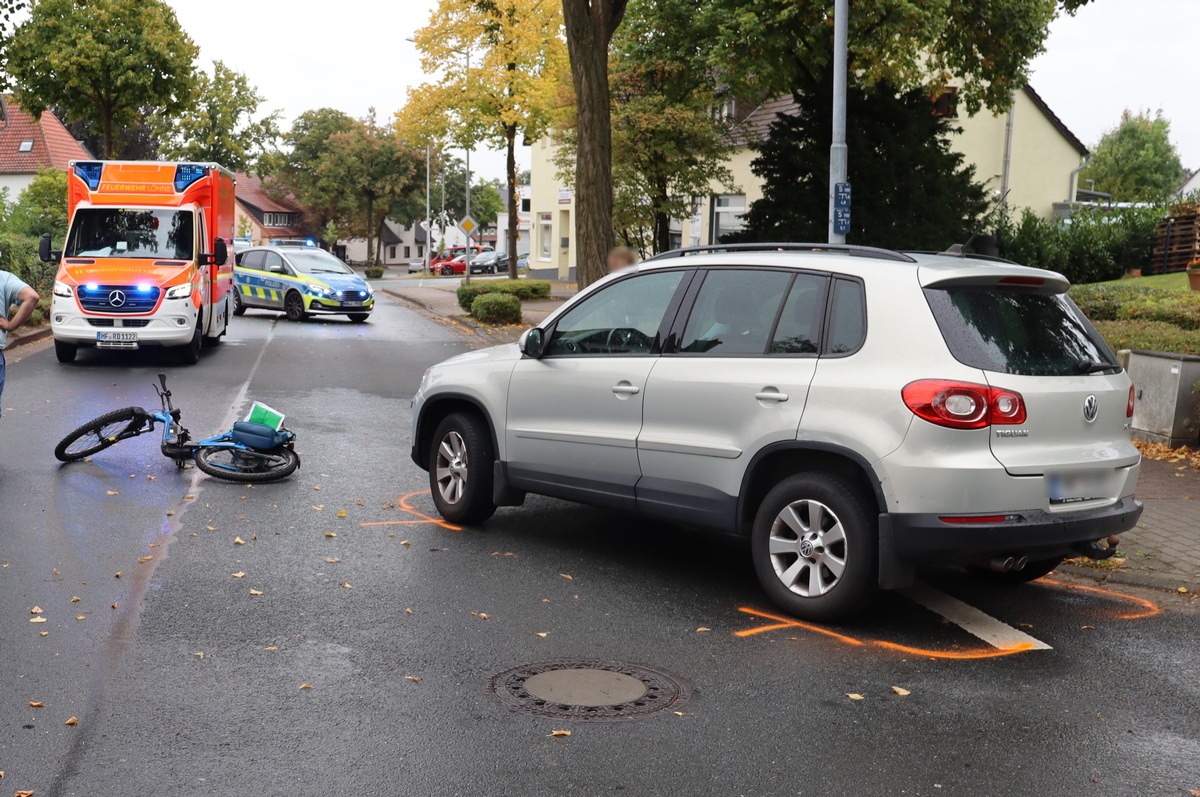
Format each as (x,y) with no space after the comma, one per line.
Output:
(1154,335)
(1148,305)
(1094,245)
(497,308)
(524,290)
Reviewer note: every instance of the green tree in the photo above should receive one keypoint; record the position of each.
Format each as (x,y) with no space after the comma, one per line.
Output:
(42,206)
(671,129)
(1136,161)
(8,10)
(450,187)
(219,124)
(911,191)
(366,172)
(138,141)
(103,60)
(518,58)
(305,145)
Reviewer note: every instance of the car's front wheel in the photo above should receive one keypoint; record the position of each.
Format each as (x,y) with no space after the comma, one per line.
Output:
(238,307)
(814,547)
(293,305)
(447,271)
(461,458)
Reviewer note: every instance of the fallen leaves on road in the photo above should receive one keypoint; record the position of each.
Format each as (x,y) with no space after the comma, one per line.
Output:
(80,617)
(347,585)
(143,559)
(238,541)
(703,630)
(683,714)
(43,633)
(542,634)
(480,615)
(317,487)
(72,721)
(199,654)
(23,793)
(38,619)
(117,574)
(854,696)
(900,690)
(332,560)
(254,591)
(405,543)
(413,678)
(306,686)
(271,647)
(408,610)
(560,733)
(36,704)
(36,610)
(329,535)
(341,513)
(75,599)
(567,576)
(239,574)
(113,492)
(114,605)
(1182,590)
(319,507)
(1165,453)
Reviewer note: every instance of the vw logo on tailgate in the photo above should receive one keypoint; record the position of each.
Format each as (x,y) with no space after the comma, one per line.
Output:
(117,299)
(1090,408)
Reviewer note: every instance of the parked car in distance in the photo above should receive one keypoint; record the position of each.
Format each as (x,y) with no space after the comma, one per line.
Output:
(523,261)
(855,412)
(488,262)
(441,263)
(300,281)
(416,264)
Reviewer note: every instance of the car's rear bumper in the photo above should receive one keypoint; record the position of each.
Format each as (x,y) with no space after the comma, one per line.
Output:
(926,539)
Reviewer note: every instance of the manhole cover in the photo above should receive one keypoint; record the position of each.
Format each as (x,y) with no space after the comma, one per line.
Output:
(588,689)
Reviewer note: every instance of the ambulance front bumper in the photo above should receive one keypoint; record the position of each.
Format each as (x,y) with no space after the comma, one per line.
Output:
(172,325)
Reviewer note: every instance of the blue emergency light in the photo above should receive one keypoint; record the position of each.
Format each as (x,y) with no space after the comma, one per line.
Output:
(188,173)
(89,172)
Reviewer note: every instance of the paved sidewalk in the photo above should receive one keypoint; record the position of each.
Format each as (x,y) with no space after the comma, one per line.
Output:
(1162,551)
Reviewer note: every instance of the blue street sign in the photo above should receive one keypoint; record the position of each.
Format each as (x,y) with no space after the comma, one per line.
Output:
(841,221)
(841,195)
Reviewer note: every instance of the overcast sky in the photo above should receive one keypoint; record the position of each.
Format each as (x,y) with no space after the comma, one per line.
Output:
(352,54)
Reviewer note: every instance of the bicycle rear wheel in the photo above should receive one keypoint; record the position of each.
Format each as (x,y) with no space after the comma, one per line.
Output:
(99,434)
(247,466)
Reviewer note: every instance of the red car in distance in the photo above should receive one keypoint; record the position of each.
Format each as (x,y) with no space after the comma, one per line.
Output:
(444,262)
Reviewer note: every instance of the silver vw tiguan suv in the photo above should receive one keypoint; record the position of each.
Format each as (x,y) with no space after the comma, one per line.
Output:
(856,412)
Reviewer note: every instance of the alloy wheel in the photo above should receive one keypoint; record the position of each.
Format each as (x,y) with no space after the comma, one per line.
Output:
(808,548)
(451,467)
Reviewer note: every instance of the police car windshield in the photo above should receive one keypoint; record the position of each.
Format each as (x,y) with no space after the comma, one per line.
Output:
(315,261)
(120,232)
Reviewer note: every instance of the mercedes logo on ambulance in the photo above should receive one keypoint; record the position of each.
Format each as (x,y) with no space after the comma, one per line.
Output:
(1090,408)
(116,299)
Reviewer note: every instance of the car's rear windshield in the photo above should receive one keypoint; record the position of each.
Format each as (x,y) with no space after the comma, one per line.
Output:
(119,232)
(1018,331)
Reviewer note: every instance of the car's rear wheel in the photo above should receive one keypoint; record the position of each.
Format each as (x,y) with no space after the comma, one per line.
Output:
(447,271)
(293,305)
(814,547)
(1030,572)
(460,469)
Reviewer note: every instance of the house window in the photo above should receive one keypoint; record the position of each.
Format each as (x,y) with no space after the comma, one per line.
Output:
(524,205)
(420,251)
(278,220)
(945,105)
(546,234)
(392,253)
(725,112)
(25,146)
(407,252)
(728,216)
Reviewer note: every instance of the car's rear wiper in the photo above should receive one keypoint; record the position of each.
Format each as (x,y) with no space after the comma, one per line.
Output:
(1087,366)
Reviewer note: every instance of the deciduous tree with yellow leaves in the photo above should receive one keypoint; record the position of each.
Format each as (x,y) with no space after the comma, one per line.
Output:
(518,55)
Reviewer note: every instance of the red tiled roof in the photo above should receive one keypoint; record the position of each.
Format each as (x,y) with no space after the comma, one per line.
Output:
(53,144)
(251,191)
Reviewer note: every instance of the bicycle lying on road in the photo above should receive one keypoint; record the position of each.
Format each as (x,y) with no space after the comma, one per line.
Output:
(249,452)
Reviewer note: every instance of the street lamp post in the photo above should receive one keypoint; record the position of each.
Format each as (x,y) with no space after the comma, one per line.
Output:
(428,222)
(467,88)
(838,155)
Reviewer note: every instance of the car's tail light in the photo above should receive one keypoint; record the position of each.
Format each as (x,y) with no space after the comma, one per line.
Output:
(1129,406)
(963,405)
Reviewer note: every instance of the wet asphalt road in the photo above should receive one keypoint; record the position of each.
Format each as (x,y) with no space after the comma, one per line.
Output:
(192,684)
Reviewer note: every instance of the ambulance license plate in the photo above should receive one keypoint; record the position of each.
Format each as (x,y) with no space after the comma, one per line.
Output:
(119,339)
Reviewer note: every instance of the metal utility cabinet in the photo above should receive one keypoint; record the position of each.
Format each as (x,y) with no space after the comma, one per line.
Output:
(1164,383)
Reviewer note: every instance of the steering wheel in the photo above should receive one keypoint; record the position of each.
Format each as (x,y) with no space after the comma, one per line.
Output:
(625,337)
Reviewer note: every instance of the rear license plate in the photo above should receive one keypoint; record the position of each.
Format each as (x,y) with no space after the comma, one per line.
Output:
(1072,488)
(352,304)
(116,338)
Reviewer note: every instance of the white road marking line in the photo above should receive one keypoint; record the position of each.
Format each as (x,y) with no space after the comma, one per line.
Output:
(973,621)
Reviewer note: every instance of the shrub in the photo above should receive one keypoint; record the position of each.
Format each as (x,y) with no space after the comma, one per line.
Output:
(524,290)
(1155,335)
(1132,303)
(1094,245)
(497,308)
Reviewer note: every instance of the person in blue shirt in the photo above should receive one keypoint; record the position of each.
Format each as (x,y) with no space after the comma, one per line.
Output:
(13,292)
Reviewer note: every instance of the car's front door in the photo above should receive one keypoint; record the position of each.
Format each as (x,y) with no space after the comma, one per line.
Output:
(574,413)
(736,382)
(274,280)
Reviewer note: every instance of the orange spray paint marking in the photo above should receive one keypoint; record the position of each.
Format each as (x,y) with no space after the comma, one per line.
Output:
(964,655)
(1148,608)
(787,622)
(404,505)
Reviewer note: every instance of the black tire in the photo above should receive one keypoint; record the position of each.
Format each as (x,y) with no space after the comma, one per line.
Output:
(239,308)
(447,271)
(1030,572)
(65,352)
(98,434)
(293,305)
(190,354)
(469,461)
(820,503)
(268,466)
(359,318)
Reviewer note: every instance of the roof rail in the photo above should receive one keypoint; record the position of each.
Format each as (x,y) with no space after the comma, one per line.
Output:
(842,249)
(965,256)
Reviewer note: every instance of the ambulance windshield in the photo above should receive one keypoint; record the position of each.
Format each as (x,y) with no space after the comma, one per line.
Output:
(120,232)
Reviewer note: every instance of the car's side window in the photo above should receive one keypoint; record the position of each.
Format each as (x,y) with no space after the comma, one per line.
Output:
(734,312)
(799,327)
(273,262)
(847,318)
(623,318)
(253,259)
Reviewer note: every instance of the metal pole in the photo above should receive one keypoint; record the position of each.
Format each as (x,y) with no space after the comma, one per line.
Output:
(467,82)
(1008,141)
(428,223)
(838,155)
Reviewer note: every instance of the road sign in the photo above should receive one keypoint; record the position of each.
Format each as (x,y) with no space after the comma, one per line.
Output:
(841,221)
(841,195)
(468,225)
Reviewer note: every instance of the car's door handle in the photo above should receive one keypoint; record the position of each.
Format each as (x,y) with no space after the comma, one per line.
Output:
(771,395)
(626,389)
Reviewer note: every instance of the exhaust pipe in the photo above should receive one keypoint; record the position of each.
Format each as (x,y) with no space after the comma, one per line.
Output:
(1001,564)
(1020,562)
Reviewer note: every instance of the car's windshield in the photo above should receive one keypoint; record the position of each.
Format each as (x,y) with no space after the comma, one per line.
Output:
(1016,331)
(121,232)
(316,261)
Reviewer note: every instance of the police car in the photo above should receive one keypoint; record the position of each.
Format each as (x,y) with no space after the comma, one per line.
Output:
(300,281)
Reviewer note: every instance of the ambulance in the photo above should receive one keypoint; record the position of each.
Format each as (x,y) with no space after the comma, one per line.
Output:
(146,260)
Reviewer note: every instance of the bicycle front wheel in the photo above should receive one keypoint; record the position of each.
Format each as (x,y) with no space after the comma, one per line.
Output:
(99,434)
(237,465)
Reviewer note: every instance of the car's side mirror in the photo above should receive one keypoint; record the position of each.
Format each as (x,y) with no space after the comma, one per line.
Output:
(220,252)
(45,253)
(532,343)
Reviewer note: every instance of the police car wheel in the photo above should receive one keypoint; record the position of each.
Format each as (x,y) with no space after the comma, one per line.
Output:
(359,318)
(293,305)
(238,307)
